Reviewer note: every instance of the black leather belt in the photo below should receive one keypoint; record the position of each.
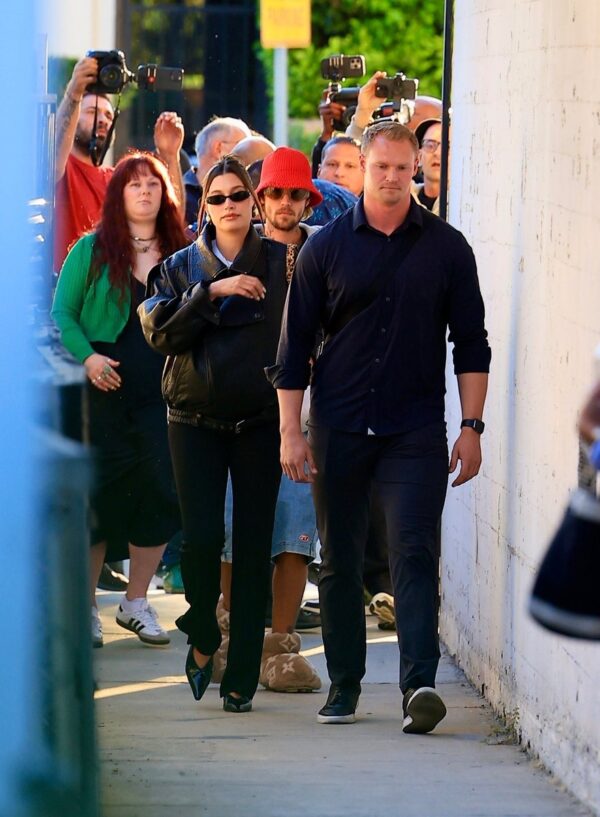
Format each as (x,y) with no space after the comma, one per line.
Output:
(224,426)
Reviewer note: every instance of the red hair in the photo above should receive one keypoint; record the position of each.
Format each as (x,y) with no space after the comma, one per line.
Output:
(113,241)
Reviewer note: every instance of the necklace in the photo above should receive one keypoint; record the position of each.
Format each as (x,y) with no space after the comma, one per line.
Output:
(139,246)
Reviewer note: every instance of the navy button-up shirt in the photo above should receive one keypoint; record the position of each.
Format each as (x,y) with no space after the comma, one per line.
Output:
(384,371)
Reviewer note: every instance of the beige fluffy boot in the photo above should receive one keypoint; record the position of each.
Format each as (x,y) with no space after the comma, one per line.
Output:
(220,657)
(283,669)
(222,616)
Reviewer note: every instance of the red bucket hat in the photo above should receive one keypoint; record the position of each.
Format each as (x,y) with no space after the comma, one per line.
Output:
(286,167)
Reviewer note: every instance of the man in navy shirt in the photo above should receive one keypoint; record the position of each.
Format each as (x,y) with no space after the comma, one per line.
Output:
(385,281)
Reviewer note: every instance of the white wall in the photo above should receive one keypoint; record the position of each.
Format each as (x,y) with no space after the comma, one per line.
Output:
(525,178)
(76,26)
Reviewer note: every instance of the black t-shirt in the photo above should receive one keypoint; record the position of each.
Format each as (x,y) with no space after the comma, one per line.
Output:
(426,201)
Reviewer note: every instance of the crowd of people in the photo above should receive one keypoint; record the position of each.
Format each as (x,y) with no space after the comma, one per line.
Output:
(250,317)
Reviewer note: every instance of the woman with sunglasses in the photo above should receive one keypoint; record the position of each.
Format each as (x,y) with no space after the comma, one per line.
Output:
(215,310)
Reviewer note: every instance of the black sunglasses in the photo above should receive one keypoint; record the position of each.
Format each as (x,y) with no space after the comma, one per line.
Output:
(220,198)
(296,193)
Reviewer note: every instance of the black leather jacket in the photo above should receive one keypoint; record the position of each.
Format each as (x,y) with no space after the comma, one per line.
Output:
(217,350)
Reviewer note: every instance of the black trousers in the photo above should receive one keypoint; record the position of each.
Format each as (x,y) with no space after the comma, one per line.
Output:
(376,576)
(202,460)
(409,472)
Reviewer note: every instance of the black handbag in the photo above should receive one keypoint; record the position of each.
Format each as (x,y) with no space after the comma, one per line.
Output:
(566,595)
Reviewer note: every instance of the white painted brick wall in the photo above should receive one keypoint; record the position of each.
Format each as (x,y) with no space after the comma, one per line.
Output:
(524,190)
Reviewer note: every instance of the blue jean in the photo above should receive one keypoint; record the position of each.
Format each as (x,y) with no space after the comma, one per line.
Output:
(409,472)
(295,528)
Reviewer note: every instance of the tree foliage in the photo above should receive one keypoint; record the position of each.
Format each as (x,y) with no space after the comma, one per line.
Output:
(404,35)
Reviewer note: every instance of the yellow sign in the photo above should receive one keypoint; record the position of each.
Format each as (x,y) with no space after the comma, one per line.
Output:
(285,23)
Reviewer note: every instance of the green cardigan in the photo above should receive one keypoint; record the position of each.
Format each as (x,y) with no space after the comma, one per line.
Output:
(86,313)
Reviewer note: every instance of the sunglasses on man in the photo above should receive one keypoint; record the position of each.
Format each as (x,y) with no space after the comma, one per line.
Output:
(296,193)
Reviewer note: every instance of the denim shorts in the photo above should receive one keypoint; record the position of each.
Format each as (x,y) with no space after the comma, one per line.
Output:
(295,529)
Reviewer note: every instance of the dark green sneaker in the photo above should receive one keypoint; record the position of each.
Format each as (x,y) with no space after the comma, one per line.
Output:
(172,581)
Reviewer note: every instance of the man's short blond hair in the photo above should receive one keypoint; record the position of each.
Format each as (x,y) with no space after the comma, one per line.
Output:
(393,131)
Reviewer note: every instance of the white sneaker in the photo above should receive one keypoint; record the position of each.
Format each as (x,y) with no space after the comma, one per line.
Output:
(97,640)
(141,619)
(382,606)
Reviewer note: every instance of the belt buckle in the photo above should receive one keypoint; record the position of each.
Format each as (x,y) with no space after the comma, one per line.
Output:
(239,427)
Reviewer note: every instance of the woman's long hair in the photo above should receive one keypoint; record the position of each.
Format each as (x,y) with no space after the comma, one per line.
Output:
(228,164)
(113,245)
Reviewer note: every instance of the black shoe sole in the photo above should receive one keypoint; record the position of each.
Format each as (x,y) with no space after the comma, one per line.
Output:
(424,711)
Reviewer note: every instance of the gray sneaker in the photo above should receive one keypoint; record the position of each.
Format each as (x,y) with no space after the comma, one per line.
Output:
(423,710)
(142,620)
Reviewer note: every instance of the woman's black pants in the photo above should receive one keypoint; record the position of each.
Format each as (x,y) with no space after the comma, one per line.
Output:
(202,459)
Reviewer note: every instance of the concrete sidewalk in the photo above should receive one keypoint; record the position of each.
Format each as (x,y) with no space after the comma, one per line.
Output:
(164,754)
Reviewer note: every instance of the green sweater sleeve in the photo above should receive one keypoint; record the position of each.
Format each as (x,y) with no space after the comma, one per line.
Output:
(69,299)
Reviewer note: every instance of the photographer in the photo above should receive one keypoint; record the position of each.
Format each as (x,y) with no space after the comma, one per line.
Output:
(429,136)
(426,107)
(80,185)
(329,112)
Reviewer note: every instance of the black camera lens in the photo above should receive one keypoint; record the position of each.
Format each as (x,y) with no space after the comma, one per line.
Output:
(111,76)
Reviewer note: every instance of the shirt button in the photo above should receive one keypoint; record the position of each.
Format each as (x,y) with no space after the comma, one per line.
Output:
(377,360)
(372,391)
(387,298)
(383,330)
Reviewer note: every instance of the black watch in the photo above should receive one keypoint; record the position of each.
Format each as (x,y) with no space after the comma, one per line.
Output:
(476,425)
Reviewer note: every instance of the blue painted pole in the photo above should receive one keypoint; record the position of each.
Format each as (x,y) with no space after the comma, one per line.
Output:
(19,705)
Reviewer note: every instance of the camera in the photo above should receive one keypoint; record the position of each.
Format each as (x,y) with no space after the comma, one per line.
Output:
(396,87)
(113,75)
(349,98)
(400,94)
(336,69)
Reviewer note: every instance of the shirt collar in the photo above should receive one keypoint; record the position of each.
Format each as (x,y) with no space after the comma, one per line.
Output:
(414,216)
(243,262)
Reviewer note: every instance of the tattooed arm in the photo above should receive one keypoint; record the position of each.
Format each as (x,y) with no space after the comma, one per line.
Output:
(85,72)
